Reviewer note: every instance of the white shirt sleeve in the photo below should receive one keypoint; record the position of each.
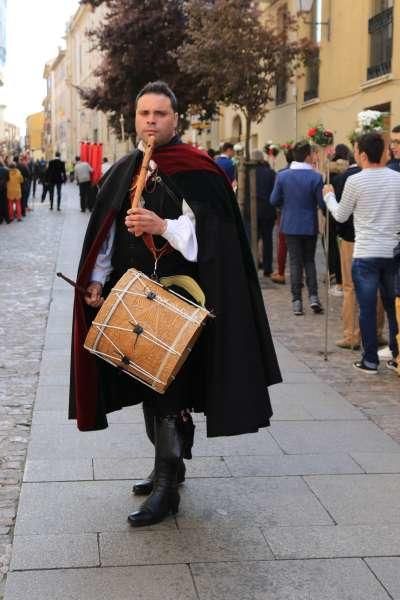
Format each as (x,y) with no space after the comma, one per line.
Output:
(341,211)
(103,267)
(181,233)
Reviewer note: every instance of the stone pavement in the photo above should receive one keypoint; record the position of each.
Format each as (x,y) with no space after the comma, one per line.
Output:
(307,510)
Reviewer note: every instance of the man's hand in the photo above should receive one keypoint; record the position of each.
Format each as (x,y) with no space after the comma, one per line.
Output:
(141,220)
(93,294)
(327,189)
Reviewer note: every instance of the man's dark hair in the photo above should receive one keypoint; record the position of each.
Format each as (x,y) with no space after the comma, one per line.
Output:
(77,158)
(289,155)
(396,129)
(301,150)
(161,88)
(373,145)
(227,146)
(58,154)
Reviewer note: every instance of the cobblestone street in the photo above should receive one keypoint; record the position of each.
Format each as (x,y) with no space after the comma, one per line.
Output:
(28,252)
(59,473)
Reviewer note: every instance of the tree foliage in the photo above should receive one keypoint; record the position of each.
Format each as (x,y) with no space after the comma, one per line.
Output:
(238,55)
(138,41)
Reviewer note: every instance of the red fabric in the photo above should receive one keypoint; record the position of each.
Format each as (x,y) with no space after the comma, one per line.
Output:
(282,249)
(84,362)
(178,158)
(84,151)
(90,154)
(97,159)
(18,211)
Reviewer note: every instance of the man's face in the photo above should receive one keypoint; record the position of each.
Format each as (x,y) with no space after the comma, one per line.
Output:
(395,144)
(230,152)
(155,117)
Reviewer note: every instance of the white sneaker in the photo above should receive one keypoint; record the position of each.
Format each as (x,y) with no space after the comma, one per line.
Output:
(336,290)
(385,353)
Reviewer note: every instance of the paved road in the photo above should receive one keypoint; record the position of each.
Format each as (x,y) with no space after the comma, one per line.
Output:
(307,510)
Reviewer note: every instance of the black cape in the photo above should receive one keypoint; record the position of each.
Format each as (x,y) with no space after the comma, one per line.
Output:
(238,360)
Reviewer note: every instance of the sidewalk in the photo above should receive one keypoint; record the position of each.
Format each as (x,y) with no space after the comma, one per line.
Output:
(306,510)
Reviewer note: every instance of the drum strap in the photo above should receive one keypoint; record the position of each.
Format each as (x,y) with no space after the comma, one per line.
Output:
(148,239)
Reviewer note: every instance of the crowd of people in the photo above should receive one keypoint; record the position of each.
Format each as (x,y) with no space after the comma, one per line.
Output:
(362,237)
(21,175)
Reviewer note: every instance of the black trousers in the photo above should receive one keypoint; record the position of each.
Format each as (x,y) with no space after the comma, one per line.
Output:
(51,187)
(3,206)
(265,230)
(301,250)
(84,194)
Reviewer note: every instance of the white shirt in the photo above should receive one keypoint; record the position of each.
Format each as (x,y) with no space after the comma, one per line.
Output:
(373,195)
(300,165)
(82,171)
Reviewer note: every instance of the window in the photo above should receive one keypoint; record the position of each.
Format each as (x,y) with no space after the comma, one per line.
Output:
(312,74)
(312,79)
(380,29)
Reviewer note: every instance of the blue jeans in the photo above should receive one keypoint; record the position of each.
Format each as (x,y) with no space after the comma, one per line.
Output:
(369,276)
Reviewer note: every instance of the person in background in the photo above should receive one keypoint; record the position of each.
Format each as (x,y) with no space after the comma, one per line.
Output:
(105,166)
(279,275)
(298,190)
(4,177)
(56,177)
(373,196)
(83,174)
(225,162)
(14,193)
(20,163)
(394,147)
(266,213)
(337,166)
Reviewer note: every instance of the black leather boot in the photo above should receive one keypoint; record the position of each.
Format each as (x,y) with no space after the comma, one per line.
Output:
(145,486)
(164,498)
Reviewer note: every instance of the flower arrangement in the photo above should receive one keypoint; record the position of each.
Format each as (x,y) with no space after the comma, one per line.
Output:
(368,121)
(272,149)
(287,146)
(320,135)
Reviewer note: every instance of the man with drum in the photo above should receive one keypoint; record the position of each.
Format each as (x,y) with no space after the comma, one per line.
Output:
(195,229)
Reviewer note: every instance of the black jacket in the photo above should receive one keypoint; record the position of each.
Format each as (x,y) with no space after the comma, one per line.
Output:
(345,230)
(238,358)
(56,172)
(265,179)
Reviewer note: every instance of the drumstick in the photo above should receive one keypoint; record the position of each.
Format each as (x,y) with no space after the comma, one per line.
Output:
(141,180)
(79,288)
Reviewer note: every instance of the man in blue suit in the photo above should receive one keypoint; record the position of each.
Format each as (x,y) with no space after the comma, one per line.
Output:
(298,191)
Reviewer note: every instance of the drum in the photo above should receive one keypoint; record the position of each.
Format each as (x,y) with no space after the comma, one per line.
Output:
(146,330)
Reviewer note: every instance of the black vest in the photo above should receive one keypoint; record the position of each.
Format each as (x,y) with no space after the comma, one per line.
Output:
(130,251)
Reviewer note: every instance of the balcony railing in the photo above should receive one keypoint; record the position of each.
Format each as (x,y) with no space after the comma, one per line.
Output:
(379,70)
(310,94)
(381,20)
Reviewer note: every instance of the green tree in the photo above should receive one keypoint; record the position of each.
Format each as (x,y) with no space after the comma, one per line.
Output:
(138,41)
(238,55)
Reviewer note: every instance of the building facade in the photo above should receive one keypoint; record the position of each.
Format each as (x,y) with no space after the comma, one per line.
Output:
(358,69)
(67,121)
(35,134)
